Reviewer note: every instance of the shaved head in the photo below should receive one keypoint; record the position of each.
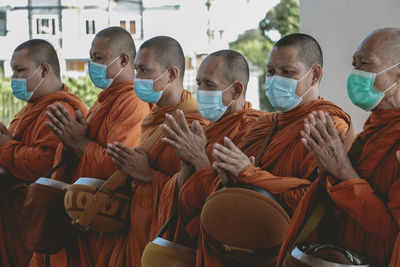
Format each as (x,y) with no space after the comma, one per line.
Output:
(168,52)
(40,51)
(308,50)
(384,43)
(235,67)
(120,41)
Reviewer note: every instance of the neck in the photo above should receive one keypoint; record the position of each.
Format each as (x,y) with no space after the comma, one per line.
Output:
(171,96)
(310,96)
(235,106)
(391,100)
(124,76)
(47,87)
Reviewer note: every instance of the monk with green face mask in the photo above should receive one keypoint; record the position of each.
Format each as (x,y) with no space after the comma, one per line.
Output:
(362,186)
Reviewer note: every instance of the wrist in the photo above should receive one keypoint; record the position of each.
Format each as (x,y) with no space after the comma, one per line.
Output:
(349,173)
(148,177)
(201,162)
(80,147)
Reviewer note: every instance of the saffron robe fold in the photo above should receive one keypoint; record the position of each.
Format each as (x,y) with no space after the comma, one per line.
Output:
(29,156)
(366,211)
(116,116)
(284,169)
(164,160)
(231,126)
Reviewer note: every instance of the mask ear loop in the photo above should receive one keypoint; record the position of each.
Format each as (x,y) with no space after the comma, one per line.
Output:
(224,91)
(30,76)
(388,68)
(303,78)
(308,72)
(390,87)
(159,77)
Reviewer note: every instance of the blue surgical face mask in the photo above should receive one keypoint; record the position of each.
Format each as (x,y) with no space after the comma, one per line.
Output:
(19,88)
(281,92)
(360,88)
(144,89)
(98,73)
(210,104)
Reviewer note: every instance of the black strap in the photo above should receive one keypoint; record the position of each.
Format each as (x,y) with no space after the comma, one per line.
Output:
(172,220)
(266,142)
(48,175)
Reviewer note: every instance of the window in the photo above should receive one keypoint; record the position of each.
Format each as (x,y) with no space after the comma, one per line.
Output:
(3,23)
(90,27)
(46,26)
(76,65)
(132,26)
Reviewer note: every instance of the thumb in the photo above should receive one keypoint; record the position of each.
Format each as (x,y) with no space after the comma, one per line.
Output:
(398,155)
(79,117)
(252,160)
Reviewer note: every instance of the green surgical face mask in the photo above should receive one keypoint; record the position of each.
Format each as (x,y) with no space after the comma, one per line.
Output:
(360,88)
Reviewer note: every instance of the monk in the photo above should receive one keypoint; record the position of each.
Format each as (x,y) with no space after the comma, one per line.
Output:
(160,66)
(224,75)
(283,166)
(116,116)
(27,147)
(362,186)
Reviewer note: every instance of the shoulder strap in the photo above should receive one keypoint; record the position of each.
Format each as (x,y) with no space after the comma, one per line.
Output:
(322,205)
(119,177)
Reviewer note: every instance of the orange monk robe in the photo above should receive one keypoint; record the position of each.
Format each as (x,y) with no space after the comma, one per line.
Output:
(367,214)
(29,156)
(164,160)
(231,126)
(115,117)
(285,166)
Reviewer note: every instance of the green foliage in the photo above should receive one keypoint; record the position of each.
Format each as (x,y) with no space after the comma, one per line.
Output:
(83,88)
(254,47)
(9,105)
(284,18)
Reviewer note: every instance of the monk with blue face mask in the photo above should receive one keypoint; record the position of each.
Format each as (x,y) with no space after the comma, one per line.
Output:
(116,116)
(28,146)
(283,165)
(160,67)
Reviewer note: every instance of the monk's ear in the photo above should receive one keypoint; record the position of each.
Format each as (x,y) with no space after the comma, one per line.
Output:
(238,91)
(124,59)
(173,73)
(316,74)
(45,69)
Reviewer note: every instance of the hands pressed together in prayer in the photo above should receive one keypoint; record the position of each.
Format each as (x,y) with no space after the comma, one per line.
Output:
(70,131)
(328,148)
(188,142)
(5,135)
(229,158)
(134,162)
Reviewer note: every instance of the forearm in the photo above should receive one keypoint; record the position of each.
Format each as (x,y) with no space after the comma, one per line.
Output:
(273,184)
(196,190)
(26,162)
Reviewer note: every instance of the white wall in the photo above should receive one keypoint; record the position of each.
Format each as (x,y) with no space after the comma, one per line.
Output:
(339,26)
